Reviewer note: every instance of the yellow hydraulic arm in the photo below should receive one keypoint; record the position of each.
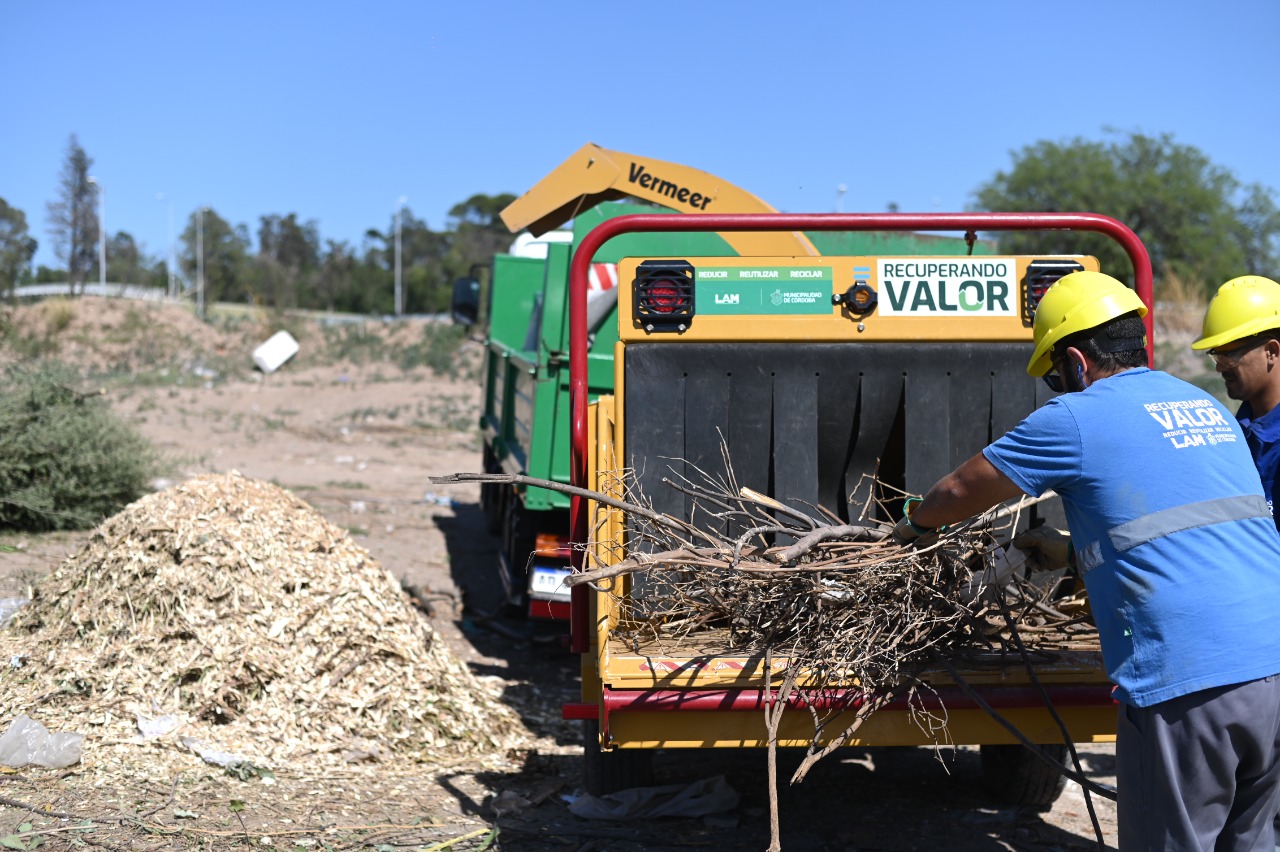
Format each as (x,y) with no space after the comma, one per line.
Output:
(593,174)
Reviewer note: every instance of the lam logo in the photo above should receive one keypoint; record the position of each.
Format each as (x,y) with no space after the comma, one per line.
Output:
(727,298)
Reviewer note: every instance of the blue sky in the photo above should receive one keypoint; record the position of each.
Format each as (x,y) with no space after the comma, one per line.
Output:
(333,111)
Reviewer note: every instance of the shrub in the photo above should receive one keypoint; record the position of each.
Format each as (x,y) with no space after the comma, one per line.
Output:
(59,313)
(20,343)
(354,343)
(438,350)
(66,460)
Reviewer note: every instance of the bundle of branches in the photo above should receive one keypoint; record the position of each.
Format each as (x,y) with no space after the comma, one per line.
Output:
(842,601)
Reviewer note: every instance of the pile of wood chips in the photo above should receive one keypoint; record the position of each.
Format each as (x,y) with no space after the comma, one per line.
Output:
(228,606)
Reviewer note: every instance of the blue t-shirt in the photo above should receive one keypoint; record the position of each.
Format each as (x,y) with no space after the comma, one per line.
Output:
(1263,435)
(1173,536)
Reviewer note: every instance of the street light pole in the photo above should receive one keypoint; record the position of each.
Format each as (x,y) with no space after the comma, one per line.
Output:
(200,262)
(399,218)
(102,235)
(841,189)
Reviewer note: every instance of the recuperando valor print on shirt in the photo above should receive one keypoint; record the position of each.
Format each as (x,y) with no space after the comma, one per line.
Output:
(1191,422)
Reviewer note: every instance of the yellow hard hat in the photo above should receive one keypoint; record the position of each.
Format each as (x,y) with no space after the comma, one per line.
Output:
(1077,302)
(1243,307)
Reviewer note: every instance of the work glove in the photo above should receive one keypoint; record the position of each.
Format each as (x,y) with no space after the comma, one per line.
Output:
(1049,547)
(905,532)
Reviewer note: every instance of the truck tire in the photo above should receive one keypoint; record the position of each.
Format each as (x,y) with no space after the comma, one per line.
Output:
(605,772)
(1016,776)
(519,538)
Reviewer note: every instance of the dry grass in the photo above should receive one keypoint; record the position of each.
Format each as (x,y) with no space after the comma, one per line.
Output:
(1179,312)
(1180,307)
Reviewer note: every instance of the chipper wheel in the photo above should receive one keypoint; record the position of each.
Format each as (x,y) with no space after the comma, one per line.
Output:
(605,772)
(1015,775)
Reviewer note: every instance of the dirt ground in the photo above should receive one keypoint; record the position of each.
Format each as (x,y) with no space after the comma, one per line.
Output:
(359,443)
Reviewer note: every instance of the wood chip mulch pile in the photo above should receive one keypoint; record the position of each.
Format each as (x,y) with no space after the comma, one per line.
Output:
(228,607)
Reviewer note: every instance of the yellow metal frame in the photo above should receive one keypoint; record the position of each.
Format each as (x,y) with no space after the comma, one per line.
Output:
(593,174)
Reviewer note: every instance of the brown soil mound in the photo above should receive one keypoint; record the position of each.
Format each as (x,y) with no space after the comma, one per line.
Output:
(231,605)
(123,335)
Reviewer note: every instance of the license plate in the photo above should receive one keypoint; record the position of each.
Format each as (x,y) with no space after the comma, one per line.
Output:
(547,582)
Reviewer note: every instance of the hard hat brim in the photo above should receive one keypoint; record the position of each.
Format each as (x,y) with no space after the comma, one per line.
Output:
(1249,329)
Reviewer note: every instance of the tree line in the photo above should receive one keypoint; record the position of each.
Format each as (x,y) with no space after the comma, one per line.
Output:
(283,263)
(1198,221)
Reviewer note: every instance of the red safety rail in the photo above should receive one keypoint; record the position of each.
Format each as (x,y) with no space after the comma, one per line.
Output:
(648,223)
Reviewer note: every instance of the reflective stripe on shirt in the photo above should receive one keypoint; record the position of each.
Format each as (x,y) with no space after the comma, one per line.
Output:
(1189,516)
(1089,558)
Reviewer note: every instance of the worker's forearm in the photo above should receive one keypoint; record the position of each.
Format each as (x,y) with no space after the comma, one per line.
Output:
(974,487)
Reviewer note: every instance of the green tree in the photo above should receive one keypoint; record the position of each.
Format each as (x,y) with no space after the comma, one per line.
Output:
(481,211)
(288,258)
(226,267)
(1195,218)
(128,263)
(421,257)
(73,217)
(17,247)
(478,233)
(335,275)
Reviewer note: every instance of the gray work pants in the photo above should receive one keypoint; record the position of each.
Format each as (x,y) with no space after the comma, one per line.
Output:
(1200,772)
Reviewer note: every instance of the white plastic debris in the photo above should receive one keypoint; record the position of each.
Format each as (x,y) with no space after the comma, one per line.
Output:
(508,802)
(28,741)
(9,607)
(835,592)
(280,347)
(158,726)
(208,754)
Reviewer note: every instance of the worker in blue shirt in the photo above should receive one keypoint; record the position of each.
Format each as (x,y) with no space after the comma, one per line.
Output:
(1242,333)
(1181,559)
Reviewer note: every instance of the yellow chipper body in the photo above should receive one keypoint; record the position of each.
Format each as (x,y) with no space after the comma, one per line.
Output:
(818,376)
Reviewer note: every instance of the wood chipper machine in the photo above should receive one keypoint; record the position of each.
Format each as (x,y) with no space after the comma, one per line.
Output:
(814,376)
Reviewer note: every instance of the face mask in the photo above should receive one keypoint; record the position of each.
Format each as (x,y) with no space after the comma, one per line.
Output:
(1067,381)
(1075,381)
